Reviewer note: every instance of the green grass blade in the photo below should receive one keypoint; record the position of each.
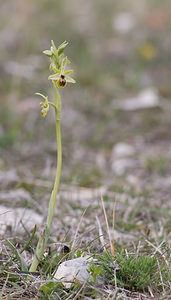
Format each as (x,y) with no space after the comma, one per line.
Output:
(29,241)
(18,255)
(3,288)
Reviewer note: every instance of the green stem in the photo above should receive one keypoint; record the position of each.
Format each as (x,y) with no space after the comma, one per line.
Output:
(43,239)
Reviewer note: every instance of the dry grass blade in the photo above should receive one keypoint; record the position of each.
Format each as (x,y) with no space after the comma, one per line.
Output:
(107,226)
(158,250)
(101,236)
(113,226)
(75,236)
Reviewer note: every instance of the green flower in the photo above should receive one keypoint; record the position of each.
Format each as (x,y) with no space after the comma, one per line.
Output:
(61,76)
(44,105)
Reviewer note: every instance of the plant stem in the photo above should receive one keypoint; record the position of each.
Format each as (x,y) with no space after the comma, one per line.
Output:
(53,198)
(43,239)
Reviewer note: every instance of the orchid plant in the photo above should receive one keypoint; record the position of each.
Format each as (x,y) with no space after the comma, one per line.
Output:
(59,79)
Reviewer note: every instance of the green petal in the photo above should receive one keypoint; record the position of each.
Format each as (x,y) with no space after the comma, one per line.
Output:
(68,72)
(57,70)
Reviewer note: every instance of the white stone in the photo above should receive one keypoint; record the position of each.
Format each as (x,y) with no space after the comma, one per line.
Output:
(17,219)
(8,177)
(122,150)
(82,195)
(123,22)
(133,180)
(121,165)
(145,99)
(73,270)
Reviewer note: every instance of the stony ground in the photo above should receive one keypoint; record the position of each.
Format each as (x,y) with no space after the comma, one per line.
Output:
(115,127)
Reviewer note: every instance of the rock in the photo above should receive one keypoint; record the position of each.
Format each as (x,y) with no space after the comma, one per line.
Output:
(74,269)
(122,150)
(145,99)
(81,195)
(8,177)
(123,22)
(18,219)
(122,165)
(121,158)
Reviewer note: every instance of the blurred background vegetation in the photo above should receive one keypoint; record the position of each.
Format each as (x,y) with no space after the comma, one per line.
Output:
(117,50)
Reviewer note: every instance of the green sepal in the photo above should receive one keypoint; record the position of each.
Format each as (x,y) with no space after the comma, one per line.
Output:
(70,79)
(48,52)
(54,77)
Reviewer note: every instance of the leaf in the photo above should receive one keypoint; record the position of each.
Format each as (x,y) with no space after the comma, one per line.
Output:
(23,265)
(79,252)
(48,287)
(97,271)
